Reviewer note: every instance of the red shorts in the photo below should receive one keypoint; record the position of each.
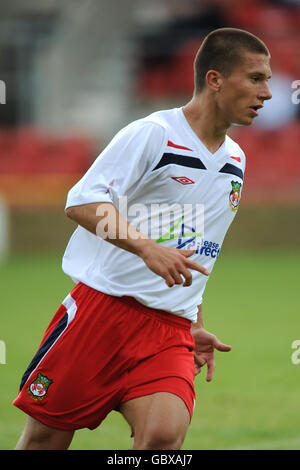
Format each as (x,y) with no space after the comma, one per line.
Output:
(100,351)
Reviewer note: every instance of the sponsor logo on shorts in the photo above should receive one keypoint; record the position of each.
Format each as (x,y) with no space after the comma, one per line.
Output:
(38,389)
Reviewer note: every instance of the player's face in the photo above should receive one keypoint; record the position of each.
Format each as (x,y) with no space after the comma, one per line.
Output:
(243,93)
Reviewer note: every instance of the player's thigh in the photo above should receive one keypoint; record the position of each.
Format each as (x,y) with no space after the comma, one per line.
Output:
(38,436)
(159,420)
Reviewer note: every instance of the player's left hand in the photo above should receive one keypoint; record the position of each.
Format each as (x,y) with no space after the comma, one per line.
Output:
(205,345)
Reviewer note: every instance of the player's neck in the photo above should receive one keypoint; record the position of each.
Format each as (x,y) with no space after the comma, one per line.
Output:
(205,121)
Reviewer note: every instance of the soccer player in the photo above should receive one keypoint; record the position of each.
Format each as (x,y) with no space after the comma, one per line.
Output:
(130,335)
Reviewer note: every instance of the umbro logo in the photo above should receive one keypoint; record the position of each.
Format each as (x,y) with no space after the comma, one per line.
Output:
(183,179)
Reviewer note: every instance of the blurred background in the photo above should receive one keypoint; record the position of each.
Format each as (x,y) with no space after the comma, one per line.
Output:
(76,72)
(72,74)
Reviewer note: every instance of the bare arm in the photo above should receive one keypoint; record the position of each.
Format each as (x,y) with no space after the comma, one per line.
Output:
(104,220)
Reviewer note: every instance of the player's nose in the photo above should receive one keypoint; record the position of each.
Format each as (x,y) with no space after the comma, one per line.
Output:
(266,93)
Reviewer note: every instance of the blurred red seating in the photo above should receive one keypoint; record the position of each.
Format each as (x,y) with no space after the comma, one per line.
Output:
(284,51)
(260,16)
(26,151)
(72,155)
(244,14)
(272,156)
(154,83)
(182,81)
(8,153)
(288,149)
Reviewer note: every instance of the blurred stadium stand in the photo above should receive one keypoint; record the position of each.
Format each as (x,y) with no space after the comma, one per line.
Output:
(36,168)
(76,72)
(272,144)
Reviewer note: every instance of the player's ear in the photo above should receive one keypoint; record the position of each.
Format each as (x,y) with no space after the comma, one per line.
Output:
(213,80)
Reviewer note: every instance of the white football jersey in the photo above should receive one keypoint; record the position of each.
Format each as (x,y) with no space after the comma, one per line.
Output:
(164,181)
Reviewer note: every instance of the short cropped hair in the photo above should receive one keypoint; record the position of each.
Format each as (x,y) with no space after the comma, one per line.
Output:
(222,50)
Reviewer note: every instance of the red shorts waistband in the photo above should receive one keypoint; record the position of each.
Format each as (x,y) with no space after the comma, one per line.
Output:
(161,315)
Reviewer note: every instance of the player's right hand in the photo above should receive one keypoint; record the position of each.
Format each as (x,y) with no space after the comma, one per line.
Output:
(172,265)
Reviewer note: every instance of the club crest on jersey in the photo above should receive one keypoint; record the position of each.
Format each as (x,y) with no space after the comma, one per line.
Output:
(39,387)
(235,195)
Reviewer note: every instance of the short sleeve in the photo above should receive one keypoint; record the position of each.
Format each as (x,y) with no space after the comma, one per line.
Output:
(121,165)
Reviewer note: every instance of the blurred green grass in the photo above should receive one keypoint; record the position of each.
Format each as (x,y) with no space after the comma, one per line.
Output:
(251,302)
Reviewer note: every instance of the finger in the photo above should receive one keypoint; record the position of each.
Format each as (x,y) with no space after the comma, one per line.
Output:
(197,267)
(169,280)
(187,253)
(210,369)
(198,365)
(187,276)
(199,361)
(176,276)
(181,271)
(221,346)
